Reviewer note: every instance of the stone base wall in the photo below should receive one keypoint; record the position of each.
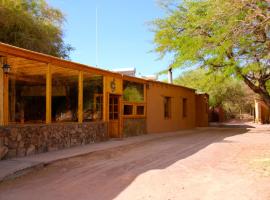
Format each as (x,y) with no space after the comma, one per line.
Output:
(23,140)
(134,126)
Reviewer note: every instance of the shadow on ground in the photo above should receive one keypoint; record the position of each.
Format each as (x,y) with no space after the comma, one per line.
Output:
(104,175)
(230,125)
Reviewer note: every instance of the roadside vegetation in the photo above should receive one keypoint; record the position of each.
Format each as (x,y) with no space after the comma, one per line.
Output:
(33,25)
(229,38)
(224,91)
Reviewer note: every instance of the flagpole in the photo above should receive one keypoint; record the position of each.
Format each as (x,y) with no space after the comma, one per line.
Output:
(96,36)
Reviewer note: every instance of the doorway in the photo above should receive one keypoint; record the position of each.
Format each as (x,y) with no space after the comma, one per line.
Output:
(114,116)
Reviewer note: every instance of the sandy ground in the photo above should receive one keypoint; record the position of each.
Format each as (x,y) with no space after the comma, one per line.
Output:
(213,163)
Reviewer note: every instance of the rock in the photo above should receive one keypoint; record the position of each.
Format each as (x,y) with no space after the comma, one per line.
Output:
(19,137)
(12,144)
(3,152)
(28,140)
(21,152)
(52,148)
(21,144)
(13,134)
(12,153)
(45,134)
(2,141)
(30,150)
(6,141)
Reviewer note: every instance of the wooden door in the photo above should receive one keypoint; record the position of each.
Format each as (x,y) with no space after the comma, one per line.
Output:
(114,116)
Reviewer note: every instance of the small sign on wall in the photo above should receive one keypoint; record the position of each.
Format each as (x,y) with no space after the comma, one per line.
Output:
(114,85)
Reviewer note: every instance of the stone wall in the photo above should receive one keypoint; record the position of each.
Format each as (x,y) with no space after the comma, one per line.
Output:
(23,140)
(134,126)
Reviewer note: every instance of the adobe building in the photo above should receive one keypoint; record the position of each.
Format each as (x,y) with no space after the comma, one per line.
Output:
(202,110)
(262,112)
(47,103)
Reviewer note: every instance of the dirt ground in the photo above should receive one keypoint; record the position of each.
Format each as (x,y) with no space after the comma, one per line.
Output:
(210,163)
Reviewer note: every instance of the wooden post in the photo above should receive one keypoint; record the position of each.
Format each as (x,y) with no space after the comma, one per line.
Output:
(145,99)
(49,94)
(5,103)
(105,100)
(145,105)
(121,117)
(12,100)
(1,94)
(80,98)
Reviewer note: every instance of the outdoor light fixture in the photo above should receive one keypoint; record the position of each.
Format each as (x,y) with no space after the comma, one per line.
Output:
(6,68)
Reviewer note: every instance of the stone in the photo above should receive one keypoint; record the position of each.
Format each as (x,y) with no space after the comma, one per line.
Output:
(27,140)
(12,144)
(19,137)
(6,141)
(2,141)
(12,153)
(52,148)
(14,134)
(30,150)
(3,152)
(21,144)
(21,152)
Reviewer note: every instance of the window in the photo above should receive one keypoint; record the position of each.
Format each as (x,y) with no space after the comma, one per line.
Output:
(128,109)
(27,93)
(64,94)
(133,110)
(140,110)
(167,107)
(133,92)
(134,100)
(184,107)
(113,110)
(92,97)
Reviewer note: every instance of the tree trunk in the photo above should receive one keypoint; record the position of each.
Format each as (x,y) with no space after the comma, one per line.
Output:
(258,90)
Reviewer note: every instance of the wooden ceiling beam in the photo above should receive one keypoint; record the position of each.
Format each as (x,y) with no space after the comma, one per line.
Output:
(35,56)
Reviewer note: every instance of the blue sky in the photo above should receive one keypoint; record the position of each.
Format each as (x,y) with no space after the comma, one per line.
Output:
(124,38)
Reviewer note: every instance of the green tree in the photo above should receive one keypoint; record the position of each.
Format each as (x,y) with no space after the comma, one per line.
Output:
(229,36)
(228,92)
(33,25)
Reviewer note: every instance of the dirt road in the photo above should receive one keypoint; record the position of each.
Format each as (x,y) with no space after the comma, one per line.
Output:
(214,163)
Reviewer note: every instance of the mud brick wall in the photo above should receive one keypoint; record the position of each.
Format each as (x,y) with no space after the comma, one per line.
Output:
(134,126)
(23,140)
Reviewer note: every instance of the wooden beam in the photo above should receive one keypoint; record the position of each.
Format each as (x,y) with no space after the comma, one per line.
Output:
(1,94)
(105,100)
(121,113)
(39,57)
(12,104)
(49,94)
(80,98)
(5,103)
(134,79)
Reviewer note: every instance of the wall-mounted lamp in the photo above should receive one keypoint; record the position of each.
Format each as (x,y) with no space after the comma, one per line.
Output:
(6,68)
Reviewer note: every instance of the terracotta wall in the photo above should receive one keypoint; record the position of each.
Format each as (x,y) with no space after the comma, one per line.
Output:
(262,112)
(155,108)
(265,115)
(202,110)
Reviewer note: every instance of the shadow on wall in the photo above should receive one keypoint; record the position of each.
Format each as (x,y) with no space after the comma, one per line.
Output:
(104,175)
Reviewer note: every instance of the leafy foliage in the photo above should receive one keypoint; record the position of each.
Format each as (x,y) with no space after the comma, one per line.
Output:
(133,92)
(228,92)
(34,25)
(229,36)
